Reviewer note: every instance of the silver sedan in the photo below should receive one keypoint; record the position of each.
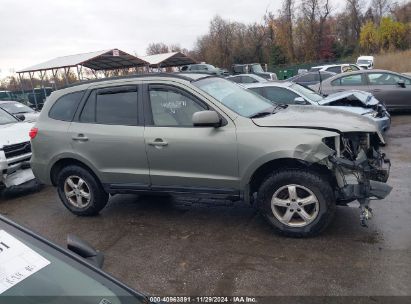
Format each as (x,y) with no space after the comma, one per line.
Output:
(392,89)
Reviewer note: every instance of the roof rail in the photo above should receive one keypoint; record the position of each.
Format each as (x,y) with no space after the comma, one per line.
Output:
(175,75)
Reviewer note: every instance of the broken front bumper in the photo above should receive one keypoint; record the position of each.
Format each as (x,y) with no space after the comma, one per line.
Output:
(359,179)
(15,171)
(362,180)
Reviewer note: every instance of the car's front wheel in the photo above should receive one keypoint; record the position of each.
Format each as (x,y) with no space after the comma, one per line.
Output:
(297,203)
(80,191)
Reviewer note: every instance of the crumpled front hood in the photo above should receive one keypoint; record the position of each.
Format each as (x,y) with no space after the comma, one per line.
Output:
(367,99)
(314,117)
(357,110)
(14,133)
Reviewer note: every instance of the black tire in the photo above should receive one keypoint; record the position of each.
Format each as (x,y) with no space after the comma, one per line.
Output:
(98,197)
(313,181)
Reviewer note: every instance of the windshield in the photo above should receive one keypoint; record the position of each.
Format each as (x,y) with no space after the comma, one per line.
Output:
(46,272)
(6,118)
(256,68)
(16,108)
(306,93)
(362,61)
(244,102)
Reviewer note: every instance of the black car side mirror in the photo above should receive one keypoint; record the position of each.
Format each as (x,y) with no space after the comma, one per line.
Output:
(401,83)
(20,117)
(85,250)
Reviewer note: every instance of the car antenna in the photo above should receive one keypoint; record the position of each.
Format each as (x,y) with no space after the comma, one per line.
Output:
(321,82)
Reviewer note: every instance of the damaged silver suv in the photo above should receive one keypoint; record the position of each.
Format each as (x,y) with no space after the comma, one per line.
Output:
(202,135)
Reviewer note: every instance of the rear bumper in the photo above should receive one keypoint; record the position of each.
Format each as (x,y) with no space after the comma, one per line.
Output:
(40,171)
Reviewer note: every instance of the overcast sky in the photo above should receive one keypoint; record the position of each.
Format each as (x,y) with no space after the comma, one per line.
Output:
(36,31)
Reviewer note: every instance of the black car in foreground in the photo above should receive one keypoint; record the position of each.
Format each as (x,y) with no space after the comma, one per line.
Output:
(33,270)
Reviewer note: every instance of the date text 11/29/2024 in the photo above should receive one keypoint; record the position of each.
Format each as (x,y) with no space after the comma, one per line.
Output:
(203,299)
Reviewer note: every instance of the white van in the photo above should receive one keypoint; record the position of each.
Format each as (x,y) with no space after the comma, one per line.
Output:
(366,62)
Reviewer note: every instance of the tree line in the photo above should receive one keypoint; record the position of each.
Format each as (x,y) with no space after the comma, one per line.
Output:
(304,31)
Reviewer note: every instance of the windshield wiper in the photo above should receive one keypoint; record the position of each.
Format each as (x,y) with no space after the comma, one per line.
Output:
(269,111)
(263,113)
(278,107)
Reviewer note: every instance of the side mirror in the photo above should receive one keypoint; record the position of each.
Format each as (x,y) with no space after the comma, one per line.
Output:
(85,250)
(401,83)
(206,119)
(300,101)
(20,117)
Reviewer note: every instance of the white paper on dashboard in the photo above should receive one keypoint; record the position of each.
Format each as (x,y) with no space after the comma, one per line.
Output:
(17,261)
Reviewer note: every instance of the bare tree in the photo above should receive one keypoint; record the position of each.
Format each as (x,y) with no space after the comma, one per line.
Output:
(287,15)
(354,11)
(157,48)
(380,8)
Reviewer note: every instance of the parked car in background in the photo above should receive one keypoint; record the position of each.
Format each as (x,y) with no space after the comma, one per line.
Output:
(36,271)
(253,68)
(203,135)
(336,68)
(392,89)
(358,102)
(203,67)
(366,62)
(246,78)
(38,96)
(15,151)
(19,110)
(311,78)
(6,95)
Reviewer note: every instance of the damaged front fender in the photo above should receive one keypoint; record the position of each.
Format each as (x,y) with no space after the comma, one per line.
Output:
(313,153)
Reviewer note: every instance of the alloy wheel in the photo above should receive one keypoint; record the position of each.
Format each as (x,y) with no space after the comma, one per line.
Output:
(295,205)
(77,191)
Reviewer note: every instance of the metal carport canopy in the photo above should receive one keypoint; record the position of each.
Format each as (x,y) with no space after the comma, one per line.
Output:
(102,60)
(165,60)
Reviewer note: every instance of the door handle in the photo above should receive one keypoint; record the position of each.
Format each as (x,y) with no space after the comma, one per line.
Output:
(376,90)
(80,137)
(158,142)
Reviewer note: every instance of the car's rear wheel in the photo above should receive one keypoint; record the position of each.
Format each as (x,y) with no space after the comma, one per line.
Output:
(80,191)
(297,203)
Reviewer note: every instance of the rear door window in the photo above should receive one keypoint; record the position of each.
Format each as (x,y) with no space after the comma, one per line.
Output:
(112,106)
(65,107)
(350,80)
(280,95)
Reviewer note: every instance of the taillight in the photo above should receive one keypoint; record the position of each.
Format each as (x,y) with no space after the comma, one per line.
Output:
(33,133)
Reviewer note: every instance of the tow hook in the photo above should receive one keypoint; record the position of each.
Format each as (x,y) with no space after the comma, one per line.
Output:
(366,212)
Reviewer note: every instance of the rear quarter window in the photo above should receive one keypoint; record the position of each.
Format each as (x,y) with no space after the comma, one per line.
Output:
(336,69)
(65,107)
(336,82)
